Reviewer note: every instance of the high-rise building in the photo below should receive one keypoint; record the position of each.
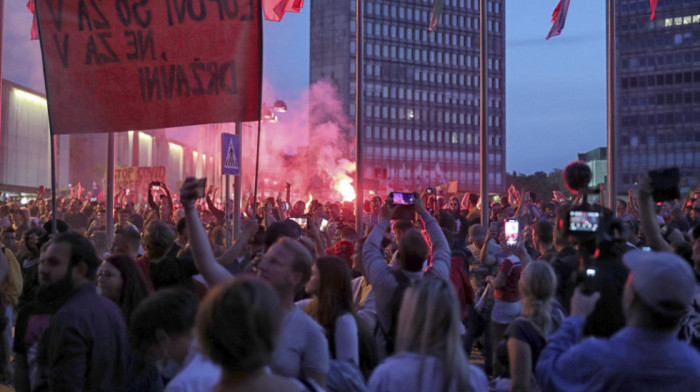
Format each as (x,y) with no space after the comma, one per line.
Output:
(658,90)
(421,89)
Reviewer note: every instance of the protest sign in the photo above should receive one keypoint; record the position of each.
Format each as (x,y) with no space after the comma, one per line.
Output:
(136,179)
(124,65)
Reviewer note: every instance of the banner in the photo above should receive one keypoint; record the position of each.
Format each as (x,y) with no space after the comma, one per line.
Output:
(123,65)
(136,179)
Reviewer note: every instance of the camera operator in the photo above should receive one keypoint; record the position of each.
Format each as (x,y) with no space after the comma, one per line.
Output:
(599,240)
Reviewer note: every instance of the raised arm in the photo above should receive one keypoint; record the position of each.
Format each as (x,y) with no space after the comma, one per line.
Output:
(649,224)
(249,230)
(213,272)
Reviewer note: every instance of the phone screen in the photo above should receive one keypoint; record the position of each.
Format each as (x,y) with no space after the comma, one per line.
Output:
(323,225)
(584,221)
(402,199)
(512,231)
(300,221)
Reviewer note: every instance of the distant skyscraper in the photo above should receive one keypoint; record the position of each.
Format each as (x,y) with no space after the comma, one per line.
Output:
(658,89)
(421,114)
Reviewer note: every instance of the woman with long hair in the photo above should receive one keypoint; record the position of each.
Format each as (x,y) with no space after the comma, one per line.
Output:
(332,307)
(120,280)
(242,345)
(527,335)
(429,354)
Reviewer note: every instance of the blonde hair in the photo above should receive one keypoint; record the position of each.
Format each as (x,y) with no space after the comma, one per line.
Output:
(429,324)
(537,287)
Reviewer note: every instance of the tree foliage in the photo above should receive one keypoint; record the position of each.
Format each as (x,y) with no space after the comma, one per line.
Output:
(540,183)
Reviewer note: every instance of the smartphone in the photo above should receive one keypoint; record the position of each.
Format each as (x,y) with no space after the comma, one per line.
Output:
(646,249)
(512,231)
(402,198)
(589,281)
(93,199)
(584,221)
(301,221)
(201,187)
(323,225)
(664,184)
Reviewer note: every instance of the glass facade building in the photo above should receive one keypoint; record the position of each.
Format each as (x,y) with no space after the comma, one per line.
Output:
(421,89)
(658,90)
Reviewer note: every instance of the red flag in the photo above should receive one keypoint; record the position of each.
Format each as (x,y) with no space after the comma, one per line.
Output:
(652,3)
(152,77)
(275,9)
(294,6)
(559,18)
(435,17)
(35,29)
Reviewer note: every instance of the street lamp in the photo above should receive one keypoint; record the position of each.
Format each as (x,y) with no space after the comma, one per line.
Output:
(269,116)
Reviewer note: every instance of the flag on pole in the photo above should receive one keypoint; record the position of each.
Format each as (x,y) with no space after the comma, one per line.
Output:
(274,10)
(435,17)
(652,3)
(35,28)
(559,18)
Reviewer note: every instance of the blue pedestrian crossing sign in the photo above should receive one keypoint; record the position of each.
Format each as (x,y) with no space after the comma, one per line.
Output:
(230,154)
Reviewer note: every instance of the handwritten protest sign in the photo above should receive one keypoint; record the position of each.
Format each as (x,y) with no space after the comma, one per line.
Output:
(136,179)
(122,65)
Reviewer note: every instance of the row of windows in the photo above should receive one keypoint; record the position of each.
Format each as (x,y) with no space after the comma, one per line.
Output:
(380,90)
(661,159)
(661,79)
(401,153)
(429,115)
(680,98)
(661,119)
(646,42)
(652,140)
(412,14)
(410,174)
(424,135)
(677,57)
(385,31)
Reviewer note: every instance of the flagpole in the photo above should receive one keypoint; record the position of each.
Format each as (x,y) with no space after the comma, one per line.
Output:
(483,107)
(612,137)
(109,224)
(359,137)
(54,229)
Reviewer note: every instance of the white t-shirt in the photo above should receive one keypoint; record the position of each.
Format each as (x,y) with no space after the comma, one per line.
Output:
(199,374)
(402,372)
(302,347)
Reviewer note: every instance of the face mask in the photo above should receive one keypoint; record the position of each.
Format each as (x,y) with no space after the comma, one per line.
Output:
(168,368)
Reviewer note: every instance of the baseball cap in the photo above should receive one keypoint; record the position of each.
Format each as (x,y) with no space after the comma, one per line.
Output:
(662,279)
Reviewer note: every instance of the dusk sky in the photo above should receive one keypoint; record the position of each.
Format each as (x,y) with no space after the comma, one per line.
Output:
(555,89)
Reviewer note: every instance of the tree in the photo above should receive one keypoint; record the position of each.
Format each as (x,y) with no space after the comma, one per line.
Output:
(540,184)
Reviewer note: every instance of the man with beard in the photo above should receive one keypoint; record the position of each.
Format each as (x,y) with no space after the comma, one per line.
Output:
(75,339)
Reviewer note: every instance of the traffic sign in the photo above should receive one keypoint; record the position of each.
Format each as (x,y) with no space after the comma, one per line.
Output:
(230,154)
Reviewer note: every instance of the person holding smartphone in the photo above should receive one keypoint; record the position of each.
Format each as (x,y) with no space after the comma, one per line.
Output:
(506,294)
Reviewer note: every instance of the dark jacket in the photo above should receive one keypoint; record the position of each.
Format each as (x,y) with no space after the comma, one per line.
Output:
(85,345)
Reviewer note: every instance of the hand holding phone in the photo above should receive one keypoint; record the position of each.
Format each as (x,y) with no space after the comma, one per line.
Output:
(201,187)
(512,230)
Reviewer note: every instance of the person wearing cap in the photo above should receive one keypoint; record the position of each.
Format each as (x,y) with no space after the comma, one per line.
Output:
(643,356)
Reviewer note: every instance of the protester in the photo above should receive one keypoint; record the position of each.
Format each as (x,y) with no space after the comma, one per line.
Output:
(162,330)
(429,354)
(303,350)
(84,346)
(643,356)
(244,345)
(413,251)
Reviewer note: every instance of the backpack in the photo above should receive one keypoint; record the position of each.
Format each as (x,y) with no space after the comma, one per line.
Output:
(389,335)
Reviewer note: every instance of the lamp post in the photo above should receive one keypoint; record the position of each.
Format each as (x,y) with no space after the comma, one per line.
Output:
(267,116)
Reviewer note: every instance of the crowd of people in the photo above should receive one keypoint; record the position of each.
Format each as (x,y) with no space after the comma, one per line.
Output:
(302,302)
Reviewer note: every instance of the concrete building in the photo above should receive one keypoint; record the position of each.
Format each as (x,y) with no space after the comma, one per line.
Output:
(597,160)
(421,89)
(81,158)
(658,90)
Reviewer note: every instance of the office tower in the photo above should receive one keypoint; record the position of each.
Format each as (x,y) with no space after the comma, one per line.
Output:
(658,90)
(421,102)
